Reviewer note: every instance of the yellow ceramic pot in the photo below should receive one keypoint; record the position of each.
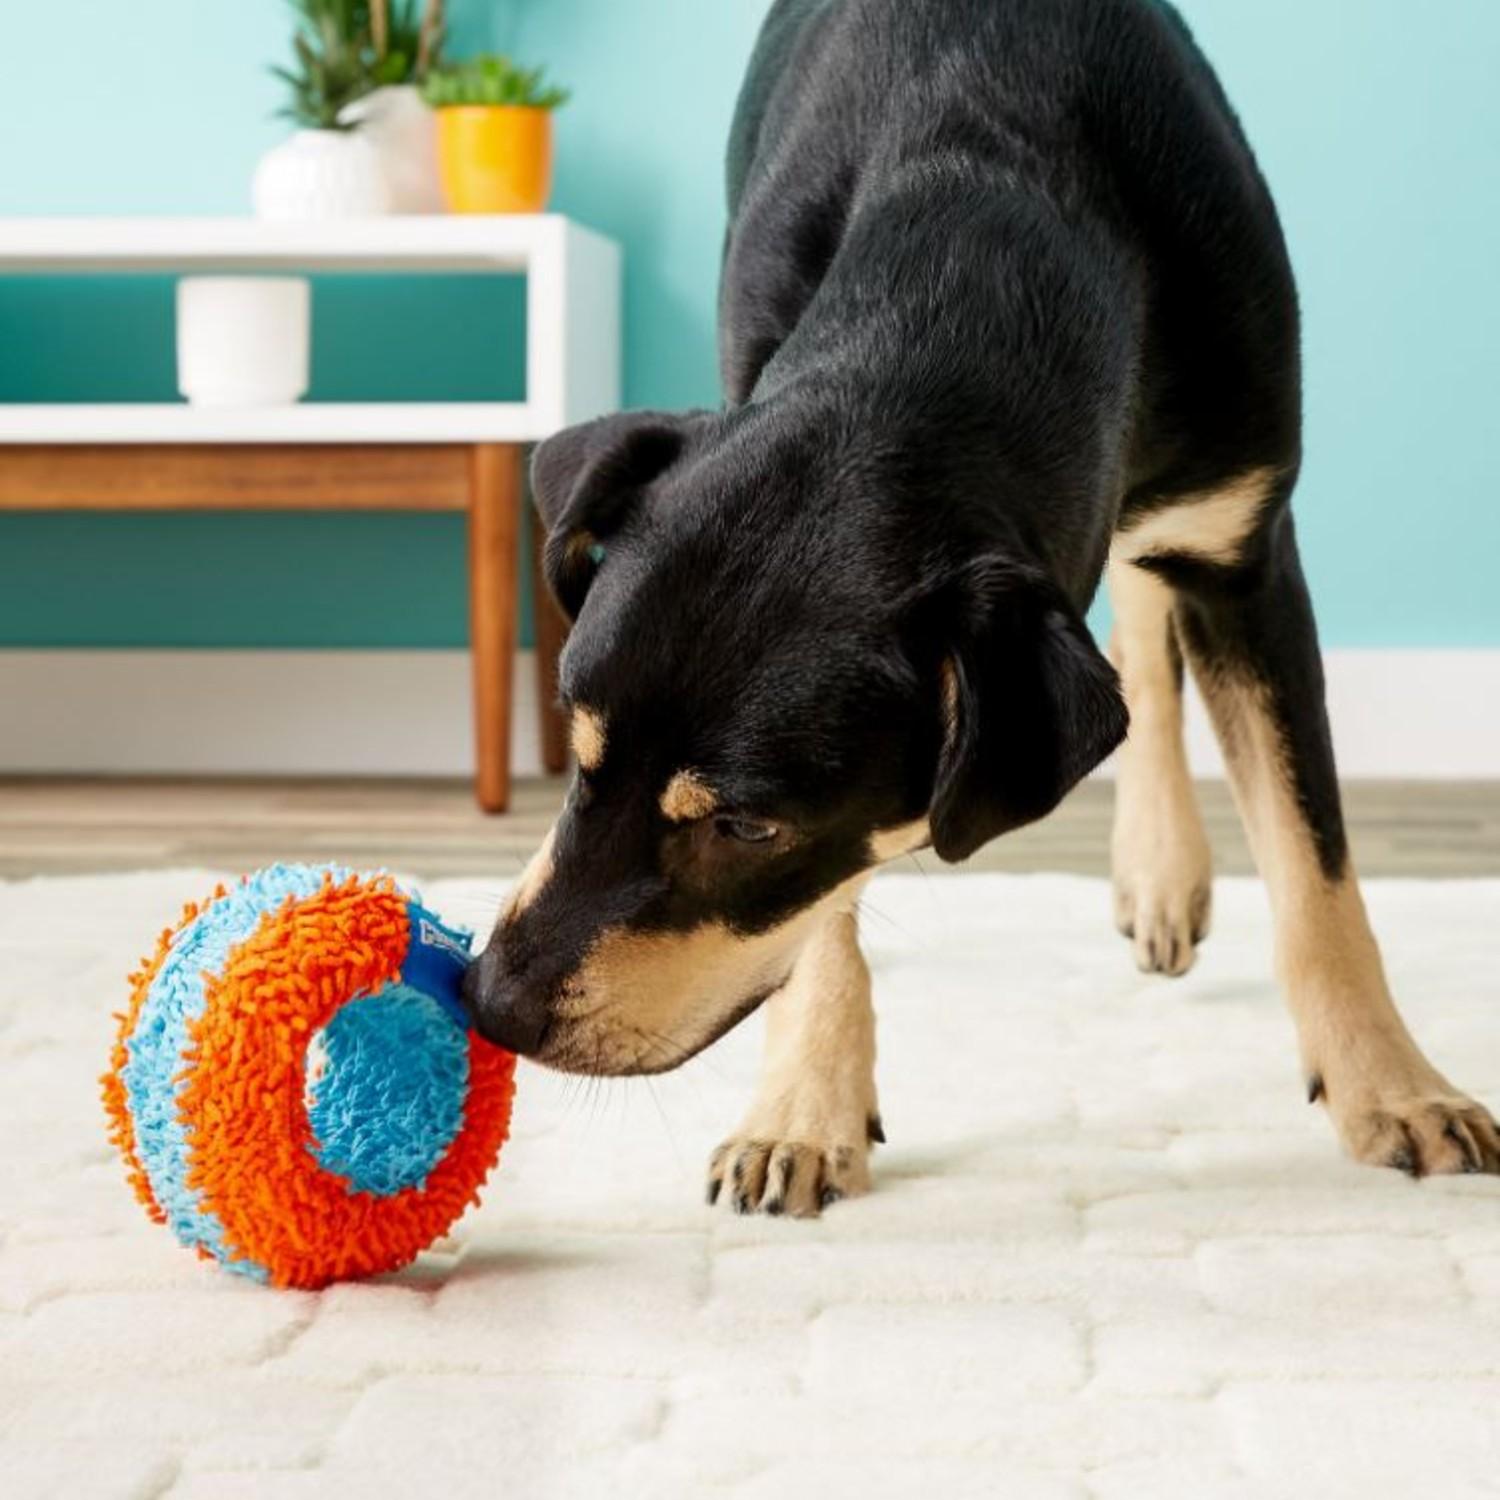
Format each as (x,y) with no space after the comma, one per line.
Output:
(495,159)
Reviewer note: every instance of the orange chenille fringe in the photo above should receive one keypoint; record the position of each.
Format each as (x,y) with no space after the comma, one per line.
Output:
(251,1144)
(116,1105)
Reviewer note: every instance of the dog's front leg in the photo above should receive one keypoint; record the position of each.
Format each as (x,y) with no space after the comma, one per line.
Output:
(805,1142)
(1163,870)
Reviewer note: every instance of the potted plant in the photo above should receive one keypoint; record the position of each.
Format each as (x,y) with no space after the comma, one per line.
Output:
(494,135)
(325,169)
(393,116)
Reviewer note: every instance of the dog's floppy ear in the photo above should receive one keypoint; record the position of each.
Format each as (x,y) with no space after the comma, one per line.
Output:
(1030,706)
(586,482)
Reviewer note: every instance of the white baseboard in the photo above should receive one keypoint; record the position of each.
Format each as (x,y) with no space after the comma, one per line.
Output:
(1396,714)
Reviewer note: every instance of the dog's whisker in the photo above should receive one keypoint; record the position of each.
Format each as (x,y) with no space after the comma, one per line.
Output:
(572,1092)
(598,1083)
(623,1095)
(666,1124)
(895,926)
(600,1112)
(663,1052)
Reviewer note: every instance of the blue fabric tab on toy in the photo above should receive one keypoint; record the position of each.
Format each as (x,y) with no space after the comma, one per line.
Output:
(436,957)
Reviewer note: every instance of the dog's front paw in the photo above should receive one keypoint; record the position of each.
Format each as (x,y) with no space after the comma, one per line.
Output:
(1164,926)
(1424,1133)
(1163,878)
(797,1178)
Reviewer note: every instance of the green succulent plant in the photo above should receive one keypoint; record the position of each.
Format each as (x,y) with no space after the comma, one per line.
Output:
(403,43)
(342,49)
(329,70)
(491,80)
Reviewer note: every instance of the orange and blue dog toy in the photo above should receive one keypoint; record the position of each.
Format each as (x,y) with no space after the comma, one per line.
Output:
(295,1087)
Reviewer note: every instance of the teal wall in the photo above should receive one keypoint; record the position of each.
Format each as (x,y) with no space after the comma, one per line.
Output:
(1377,123)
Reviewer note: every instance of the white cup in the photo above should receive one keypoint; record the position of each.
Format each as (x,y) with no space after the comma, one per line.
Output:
(243,340)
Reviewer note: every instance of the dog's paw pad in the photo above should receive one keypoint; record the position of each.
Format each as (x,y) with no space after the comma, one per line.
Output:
(793,1178)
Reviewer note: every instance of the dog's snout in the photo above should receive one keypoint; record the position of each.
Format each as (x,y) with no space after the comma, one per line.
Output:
(475,982)
(503,1006)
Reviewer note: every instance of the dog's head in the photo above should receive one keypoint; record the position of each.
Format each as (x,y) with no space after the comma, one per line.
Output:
(781,672)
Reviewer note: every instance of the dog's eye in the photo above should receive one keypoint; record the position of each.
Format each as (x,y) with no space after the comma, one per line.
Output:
(745,830)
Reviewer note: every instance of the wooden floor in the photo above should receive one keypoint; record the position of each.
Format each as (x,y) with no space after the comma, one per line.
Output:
(432,828)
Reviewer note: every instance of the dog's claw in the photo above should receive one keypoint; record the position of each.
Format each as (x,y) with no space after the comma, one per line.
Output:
(1466,1147)
(1165,919)
(1441,1134)
(787,1179)
(1405,1161)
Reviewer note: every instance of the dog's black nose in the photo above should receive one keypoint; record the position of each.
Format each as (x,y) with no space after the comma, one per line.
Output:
(503,1009)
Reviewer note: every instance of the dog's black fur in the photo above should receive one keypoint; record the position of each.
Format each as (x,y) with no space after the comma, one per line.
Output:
(1001,275)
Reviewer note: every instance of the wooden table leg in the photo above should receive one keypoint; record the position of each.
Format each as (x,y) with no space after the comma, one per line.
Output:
(550,627)
(494,519)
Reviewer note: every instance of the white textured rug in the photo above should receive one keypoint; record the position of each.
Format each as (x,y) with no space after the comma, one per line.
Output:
(1110,1252)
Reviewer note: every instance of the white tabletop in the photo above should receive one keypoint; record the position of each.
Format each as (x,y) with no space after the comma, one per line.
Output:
(443,242)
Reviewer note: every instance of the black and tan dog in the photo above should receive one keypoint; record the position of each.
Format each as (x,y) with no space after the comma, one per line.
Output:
(1006,307)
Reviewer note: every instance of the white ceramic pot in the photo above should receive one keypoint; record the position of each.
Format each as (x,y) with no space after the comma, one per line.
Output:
(321,174)
(403,130)
(243,340)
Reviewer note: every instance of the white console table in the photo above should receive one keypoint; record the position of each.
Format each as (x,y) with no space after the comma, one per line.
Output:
(316,455)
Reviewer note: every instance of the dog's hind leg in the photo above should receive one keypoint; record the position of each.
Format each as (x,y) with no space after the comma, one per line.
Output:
(1246,624)
(1162,866)
(805,1142)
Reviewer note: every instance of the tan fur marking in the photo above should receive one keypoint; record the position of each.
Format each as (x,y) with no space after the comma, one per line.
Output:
(534,877)
(1380,1090)
(887,844)
(1212,528)
(816,1101)
(1326,952)
(687,798)
(641,1001)
(1160,853)
(588,738)
(949,687)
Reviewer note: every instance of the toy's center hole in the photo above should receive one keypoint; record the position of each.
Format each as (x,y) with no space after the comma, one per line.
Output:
(384,1088)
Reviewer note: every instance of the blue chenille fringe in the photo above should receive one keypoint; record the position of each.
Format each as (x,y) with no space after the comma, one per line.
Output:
(176,997)
(390,1098)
